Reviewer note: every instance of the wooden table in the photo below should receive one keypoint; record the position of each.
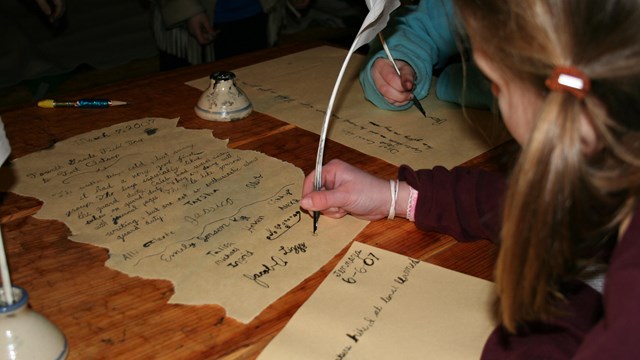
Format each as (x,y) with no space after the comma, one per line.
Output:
(106,314)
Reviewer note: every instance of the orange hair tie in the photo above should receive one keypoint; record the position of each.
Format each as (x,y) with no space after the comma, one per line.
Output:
(569,79)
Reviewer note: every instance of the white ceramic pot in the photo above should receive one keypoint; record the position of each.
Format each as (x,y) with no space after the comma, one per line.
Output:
(223,100)
(25,334)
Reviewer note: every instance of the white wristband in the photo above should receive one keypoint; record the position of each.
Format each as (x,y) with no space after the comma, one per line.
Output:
(394,185)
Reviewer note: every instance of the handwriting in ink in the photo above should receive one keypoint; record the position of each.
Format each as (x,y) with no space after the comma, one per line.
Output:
(243,258)
(284,226)
(404,277)
(157,239)
(181,249)
(367,261)
(255,182)
(369,322)
(193,219)
(205,237)
(276,263)
(295,249)
(251,227)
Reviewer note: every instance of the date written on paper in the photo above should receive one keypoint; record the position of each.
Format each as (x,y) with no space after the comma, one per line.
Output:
(354,264)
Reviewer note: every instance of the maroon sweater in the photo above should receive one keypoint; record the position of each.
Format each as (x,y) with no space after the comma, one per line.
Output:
(465,203)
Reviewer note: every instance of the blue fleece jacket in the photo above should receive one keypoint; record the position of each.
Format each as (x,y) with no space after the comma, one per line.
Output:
(424,36)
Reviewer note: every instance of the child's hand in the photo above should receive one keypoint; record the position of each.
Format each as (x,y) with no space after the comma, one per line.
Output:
(347,190)
(53,9)
(200,28)
(396,90)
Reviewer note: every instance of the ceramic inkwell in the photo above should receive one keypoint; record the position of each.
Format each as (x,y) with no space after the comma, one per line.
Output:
(25,334)
(223,100)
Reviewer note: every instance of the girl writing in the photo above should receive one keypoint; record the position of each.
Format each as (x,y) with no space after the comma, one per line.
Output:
(566,77)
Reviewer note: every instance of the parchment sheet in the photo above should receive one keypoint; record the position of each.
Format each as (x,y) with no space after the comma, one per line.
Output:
(224,225)
(297,87)
(376,304)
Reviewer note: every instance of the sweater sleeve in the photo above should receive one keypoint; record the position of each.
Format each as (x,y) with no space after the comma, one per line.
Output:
(463,202)
(615,336)
(557,339)
(421,35)
(590,326)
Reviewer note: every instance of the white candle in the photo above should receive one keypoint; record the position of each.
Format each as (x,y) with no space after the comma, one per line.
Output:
(4,269)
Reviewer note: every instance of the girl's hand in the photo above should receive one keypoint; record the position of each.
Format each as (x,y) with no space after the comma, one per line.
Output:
(347,190)
(395,89)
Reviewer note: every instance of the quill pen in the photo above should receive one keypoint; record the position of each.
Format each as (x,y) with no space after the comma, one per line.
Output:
(415,101)
(374,22)
(5,150)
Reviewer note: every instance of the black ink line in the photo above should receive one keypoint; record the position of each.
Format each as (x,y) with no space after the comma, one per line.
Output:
(213,222)
(66,180)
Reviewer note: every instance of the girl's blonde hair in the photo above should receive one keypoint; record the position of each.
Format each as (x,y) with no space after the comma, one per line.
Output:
(563,201)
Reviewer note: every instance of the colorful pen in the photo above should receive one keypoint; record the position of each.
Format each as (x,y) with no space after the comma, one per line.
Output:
(82,103)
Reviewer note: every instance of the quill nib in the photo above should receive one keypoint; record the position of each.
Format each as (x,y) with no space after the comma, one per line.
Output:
(316,216)
(419,106)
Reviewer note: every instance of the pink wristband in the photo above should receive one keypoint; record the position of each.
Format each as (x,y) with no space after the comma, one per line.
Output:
(411,204)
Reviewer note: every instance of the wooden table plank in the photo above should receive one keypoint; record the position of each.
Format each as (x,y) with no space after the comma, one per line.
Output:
(106,314)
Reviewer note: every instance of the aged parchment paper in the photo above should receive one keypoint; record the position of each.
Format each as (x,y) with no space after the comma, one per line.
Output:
(296,89)
(376,304)
(170,203)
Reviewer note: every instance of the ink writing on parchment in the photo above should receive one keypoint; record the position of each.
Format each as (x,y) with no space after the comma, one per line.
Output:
(371,314)
(448,136)
(178,204)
